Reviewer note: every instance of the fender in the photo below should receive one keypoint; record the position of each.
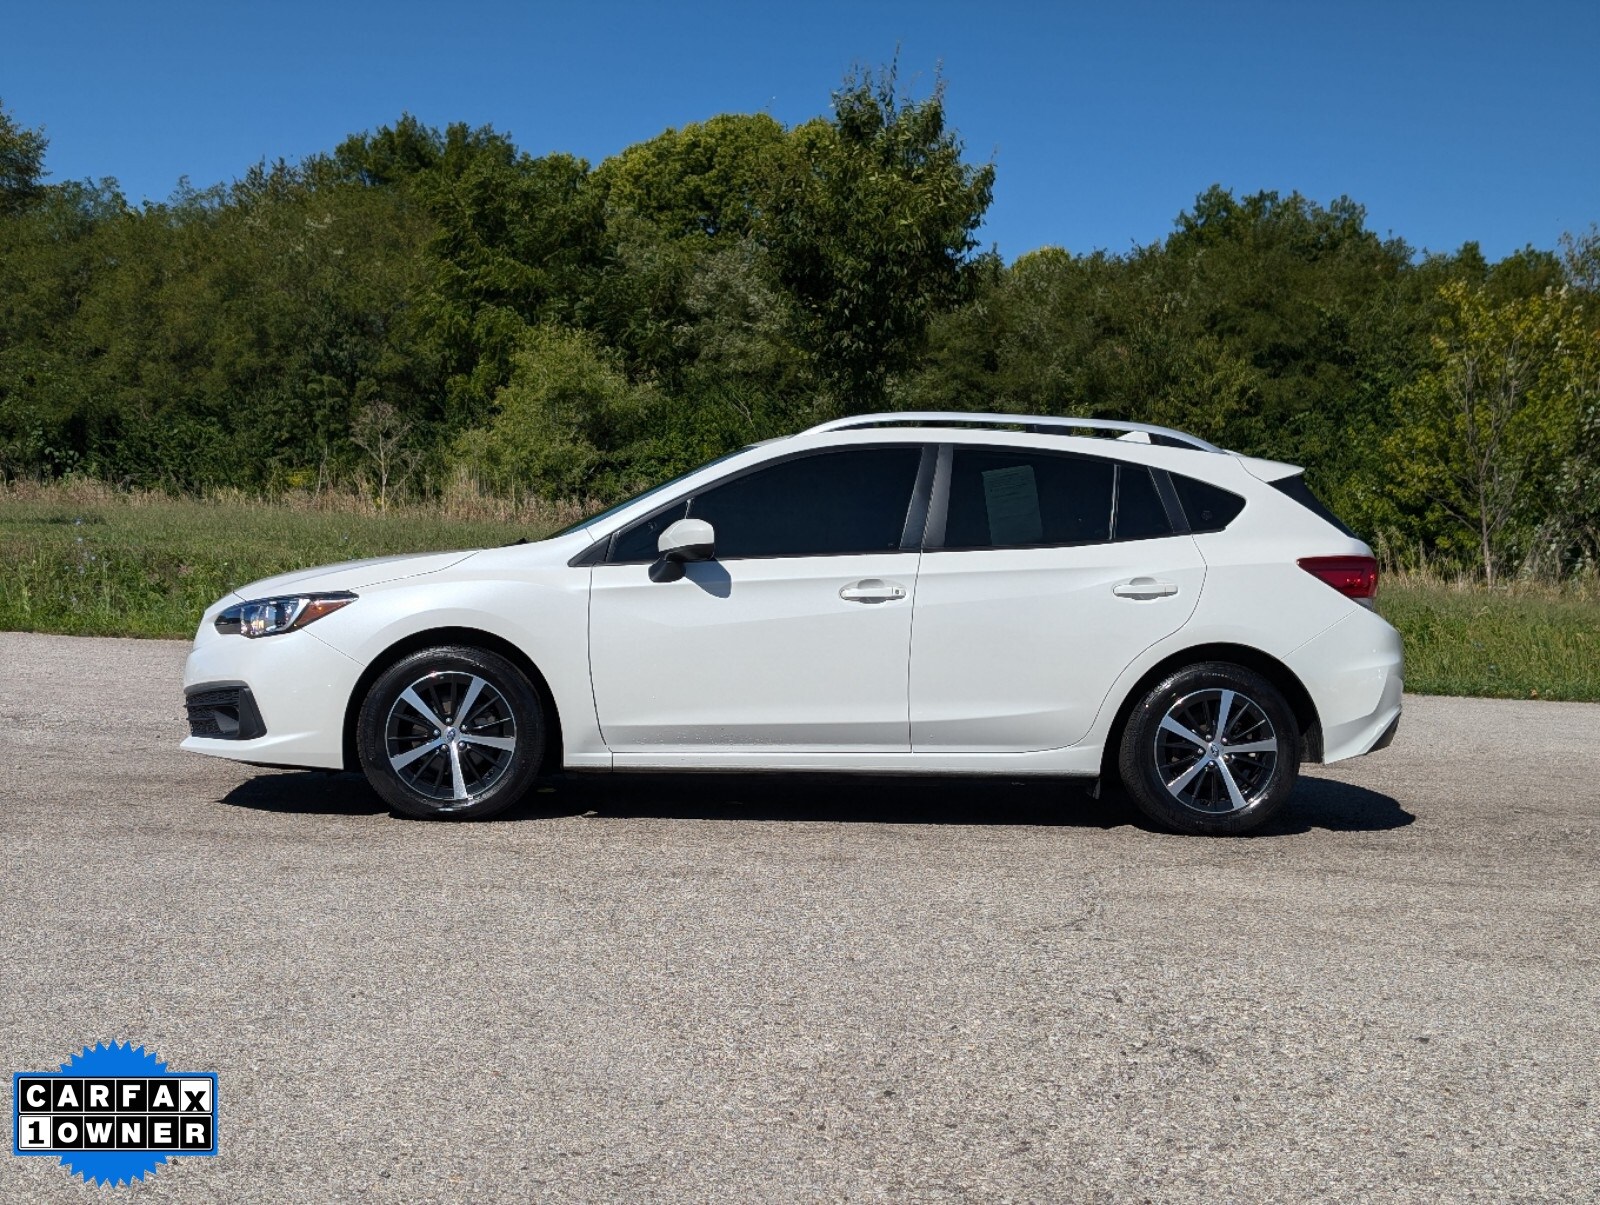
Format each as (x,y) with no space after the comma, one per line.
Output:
(538,612)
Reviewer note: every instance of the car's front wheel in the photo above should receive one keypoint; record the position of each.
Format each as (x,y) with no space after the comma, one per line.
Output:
(451,733)
(1211,748)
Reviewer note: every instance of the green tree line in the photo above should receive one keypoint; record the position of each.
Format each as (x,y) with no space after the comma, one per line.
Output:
(418,309)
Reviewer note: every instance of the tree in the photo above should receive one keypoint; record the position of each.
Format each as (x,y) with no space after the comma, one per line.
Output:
(1580,255)
(870,231)
(567,423)
(517,238)
(21,164)
(1267,323)
(381,431)
(1495,413)
(711,178)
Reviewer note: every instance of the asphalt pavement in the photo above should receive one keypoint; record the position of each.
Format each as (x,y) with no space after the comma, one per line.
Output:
(795,989)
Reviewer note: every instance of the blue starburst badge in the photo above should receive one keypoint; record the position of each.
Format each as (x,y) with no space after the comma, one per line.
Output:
(113,1114)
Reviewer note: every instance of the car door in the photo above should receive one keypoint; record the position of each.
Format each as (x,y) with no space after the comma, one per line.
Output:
(795,637)
(1045,575)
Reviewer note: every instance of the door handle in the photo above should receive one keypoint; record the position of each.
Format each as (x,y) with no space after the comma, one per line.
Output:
(872,590)
(1144,588)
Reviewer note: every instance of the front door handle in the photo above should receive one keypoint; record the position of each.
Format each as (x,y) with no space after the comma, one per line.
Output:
(872,590)
(1144,588)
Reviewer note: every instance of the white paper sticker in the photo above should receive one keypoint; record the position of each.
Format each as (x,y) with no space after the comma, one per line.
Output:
(1012,498)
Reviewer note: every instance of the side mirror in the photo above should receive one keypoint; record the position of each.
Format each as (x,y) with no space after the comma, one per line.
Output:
(686,540)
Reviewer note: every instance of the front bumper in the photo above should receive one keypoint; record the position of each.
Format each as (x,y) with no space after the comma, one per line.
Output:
(223,711)
(1354,673)
(299,686)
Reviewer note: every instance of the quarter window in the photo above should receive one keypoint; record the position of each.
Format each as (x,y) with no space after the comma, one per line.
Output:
(1208,508)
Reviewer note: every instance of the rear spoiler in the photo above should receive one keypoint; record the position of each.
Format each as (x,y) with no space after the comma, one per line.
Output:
(1269,470)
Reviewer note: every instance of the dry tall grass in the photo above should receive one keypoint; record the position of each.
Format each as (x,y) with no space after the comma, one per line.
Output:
(462,501)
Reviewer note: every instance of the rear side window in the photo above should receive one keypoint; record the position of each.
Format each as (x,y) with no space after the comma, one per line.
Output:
(1207,507)
(830,504)
(1297,489)
(1140,515)
(1005,499)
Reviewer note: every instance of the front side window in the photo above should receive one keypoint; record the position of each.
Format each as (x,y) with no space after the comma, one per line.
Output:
(663,488)
(1001,498)
(828,504)
(639,542)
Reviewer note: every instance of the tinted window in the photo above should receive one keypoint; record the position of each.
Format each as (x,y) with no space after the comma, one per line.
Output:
(823,505)
(1140,514)
(1208,508)
(1004,499)
(638,543)
(1297,489)
(654,489)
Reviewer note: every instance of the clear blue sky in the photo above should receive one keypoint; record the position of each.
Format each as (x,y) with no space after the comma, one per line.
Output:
(1449,121)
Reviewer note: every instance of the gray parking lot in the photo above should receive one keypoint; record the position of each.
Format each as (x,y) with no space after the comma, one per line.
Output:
(725,988)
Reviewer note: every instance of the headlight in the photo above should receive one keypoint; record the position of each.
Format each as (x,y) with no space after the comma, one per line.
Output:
(274,616)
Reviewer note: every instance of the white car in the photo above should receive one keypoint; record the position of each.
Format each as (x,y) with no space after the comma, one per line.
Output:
(895,593)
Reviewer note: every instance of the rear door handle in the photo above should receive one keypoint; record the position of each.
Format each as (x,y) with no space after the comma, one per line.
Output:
(872,590)
(1145,588)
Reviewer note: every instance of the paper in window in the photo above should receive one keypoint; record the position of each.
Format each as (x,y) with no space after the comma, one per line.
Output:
(1012,498)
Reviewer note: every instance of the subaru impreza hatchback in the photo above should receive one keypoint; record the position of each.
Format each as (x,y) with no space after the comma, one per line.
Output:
(892,593)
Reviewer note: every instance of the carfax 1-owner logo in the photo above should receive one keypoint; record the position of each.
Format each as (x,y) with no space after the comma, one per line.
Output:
(113,1114)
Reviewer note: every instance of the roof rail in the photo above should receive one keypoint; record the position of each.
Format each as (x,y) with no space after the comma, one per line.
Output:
(1035,422)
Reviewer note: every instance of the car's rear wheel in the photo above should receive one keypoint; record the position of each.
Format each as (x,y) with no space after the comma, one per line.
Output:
(1211,748)
(451,733)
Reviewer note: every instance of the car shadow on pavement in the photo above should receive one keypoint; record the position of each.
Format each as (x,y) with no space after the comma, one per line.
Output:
(312,793)
(1318,803)
(1339,807)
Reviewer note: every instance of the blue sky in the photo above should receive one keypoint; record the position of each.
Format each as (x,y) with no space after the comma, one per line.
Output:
(1448,121)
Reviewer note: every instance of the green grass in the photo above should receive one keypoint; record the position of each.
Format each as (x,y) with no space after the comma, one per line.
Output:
(1526,642)
(86,560)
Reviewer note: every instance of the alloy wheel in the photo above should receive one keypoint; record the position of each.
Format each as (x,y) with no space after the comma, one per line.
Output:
(1215,751)
(450,736)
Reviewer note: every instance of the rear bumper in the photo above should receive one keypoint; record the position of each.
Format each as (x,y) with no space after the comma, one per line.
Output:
(1354,673)
(1387,738)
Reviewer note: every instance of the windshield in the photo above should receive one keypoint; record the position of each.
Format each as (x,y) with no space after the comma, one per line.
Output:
(655,489)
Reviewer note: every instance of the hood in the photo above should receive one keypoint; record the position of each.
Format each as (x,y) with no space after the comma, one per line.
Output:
(352,575)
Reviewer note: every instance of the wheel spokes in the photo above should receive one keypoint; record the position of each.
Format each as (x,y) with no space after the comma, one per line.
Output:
(506,743)
(458,785)
(1177,784)
(1223,708)
(1172,725)
(474,689)
(1235,796)
(410,696)
(1208,773)
(429,746)
(1267,746)
(405,759)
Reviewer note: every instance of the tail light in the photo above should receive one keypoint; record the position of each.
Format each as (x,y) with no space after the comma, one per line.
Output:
(1353,576)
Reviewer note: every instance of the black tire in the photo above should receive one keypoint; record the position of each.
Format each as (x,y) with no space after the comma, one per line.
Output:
(1182,777)
(468,766)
